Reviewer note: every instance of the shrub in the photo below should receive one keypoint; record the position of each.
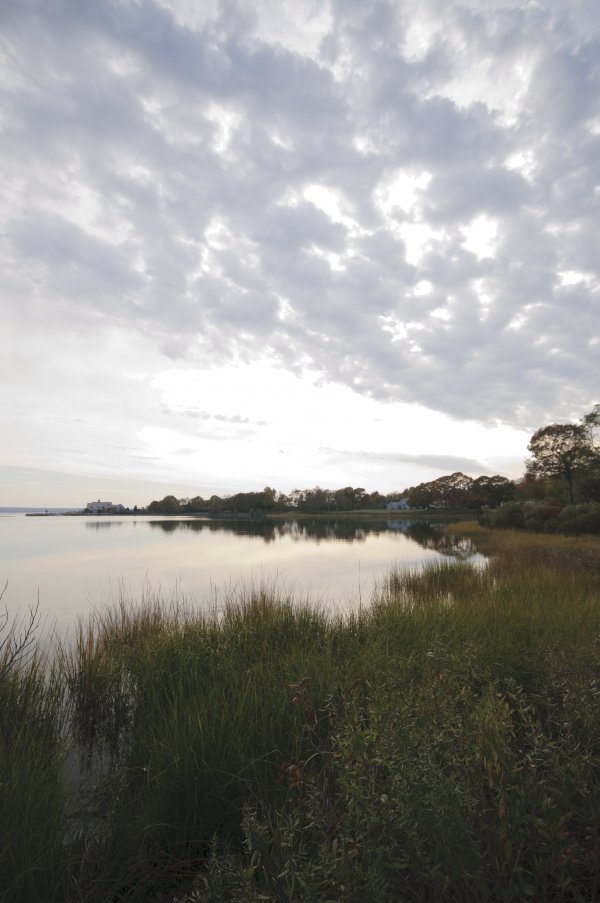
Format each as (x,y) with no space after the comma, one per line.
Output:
(390,800)
(541,516)
(545,517)
(579,519)
(508,516)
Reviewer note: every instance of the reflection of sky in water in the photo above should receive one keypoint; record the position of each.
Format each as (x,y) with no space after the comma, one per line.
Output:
(77,562)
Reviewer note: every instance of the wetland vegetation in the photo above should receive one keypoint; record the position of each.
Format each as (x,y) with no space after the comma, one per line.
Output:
(441,743)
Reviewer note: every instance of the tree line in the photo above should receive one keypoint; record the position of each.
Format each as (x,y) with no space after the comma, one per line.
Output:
(269,501)
(564,468)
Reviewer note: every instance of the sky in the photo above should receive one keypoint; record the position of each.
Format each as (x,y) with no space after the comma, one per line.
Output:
(260,242)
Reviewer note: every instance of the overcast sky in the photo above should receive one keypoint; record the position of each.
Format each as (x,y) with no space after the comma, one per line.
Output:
(289,243)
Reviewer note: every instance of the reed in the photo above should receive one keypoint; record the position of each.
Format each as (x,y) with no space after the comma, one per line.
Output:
(441,743)
(34,862)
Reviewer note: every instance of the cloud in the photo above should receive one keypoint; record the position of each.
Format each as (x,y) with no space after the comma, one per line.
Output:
(223,187)
(439,463)
(197,414)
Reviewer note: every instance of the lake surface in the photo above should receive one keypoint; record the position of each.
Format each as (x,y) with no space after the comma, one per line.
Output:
(77,563)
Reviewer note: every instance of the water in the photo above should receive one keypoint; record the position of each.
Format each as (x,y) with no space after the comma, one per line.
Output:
(75,563)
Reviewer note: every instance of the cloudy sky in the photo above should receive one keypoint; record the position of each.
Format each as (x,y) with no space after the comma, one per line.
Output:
(257,241)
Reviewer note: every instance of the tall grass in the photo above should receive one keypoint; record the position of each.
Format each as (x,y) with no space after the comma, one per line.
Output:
(439,744)
(34,862)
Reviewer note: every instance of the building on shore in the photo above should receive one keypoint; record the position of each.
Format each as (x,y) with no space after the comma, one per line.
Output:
(104,507)
(399,505)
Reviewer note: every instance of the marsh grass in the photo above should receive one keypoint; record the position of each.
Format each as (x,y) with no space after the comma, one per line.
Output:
(34,863)
(440,744)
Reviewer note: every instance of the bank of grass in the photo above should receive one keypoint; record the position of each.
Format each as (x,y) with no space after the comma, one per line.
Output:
(440,744)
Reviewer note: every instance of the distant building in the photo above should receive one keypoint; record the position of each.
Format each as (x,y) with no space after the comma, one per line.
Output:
(104,507)
(400,505)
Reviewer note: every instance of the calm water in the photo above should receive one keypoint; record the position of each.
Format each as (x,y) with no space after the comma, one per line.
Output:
(75,563)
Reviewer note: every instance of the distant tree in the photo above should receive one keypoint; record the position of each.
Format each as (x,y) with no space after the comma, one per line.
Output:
(375,500)
(314,500)
(270,498)
(449,491)
(216,504)
(253,501)
(349,499)
(562,450)
(421,496)
(168,505)
(191,505)
(531,486)
(396,496)
(452,491)
(294,499)
(490,492)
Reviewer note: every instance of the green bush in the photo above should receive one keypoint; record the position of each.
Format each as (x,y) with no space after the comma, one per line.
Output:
(508,516)
(541,516)
(579,519)
(392,798)
(545,517)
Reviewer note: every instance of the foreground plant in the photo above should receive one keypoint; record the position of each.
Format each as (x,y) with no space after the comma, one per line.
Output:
(392,798)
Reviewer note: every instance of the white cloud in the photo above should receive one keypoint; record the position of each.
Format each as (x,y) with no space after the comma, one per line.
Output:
(402,191)
(303,417)
(480,237)
(403,198)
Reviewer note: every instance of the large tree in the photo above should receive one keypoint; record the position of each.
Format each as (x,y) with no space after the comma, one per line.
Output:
(562,450)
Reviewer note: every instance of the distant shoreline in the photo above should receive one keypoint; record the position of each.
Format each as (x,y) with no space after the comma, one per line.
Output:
(404,514)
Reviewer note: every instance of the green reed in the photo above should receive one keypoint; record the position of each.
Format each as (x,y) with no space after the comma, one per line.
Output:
(34,862)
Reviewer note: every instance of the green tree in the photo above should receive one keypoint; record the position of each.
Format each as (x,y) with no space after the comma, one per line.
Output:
(348,499)
(448,491)
(168,505)
(375,500)
(562,450)
(452,490)
(421,496)
(315,500)
(490,491)
(216,504)
(191,505)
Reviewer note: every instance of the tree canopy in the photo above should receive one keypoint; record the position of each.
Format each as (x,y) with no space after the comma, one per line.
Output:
(565,450)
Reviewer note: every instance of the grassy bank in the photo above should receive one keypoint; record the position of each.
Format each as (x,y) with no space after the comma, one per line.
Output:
(442,744)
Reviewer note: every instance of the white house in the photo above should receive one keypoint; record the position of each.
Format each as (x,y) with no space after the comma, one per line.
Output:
(400,505)
(103,507)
